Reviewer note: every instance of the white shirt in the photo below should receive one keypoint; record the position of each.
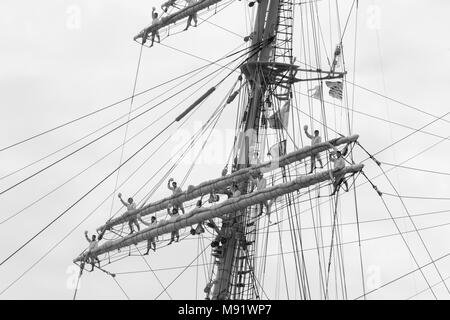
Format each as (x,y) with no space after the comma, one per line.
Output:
(177,190)
(236,194)
(339,163)
(316,140)
(93,245)
(131,206)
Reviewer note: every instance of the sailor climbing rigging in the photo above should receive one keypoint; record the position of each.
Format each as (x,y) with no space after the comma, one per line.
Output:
(131,206)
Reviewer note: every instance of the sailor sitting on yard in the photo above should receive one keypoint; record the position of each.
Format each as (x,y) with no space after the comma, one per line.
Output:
(316,139)
(339,163)
(172,185)
(93,245)
(175,233)
(151,243)
(131,206)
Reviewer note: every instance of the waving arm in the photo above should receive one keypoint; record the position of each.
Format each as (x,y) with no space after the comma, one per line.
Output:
(169,186)
(86,236)
(121,200)
(307,133)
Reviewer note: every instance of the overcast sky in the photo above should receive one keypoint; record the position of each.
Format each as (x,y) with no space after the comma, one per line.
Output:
(63,59)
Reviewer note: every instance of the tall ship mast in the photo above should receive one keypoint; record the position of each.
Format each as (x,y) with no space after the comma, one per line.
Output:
(268,74)
(270,223)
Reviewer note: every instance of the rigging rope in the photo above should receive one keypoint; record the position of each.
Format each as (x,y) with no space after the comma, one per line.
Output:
(126,130)
(377,118)
(110,131)
(84,195)
(90,166)
(92,189)
(195,259)
(123,291)
(120,101)
(407,274)
(157,278)
(404,240)
(193,73)
(415,228)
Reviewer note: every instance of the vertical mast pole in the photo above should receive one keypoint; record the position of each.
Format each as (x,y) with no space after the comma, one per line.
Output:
(264,29)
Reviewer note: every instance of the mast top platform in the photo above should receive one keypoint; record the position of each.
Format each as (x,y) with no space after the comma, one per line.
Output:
(272,72)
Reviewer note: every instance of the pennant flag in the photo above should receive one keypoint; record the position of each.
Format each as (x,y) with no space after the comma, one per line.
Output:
(317,92)
(280,119)
(337,57)
(335,89)
(278,149)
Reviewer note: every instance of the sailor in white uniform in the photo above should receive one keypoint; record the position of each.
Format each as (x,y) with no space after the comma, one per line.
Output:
(155,20)
(192,16)
(172,185)
(316,139)
(175,233)
(151,243)
(93,245)
(131,206)
(339,163)
(261,183)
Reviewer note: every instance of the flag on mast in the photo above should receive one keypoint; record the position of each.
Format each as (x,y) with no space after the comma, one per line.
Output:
(335,89)
(317,92)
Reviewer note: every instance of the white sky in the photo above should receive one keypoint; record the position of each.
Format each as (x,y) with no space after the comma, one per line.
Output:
(62,59)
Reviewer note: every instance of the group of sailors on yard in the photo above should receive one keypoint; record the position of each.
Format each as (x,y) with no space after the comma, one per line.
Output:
(336,157)
(156,19)
(257,183)
(134,221)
